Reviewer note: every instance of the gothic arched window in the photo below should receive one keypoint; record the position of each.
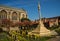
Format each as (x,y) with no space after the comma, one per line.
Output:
(14,16)
(3,14)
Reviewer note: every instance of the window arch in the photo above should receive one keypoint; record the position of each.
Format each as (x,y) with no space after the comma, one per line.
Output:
(14,16)
(3,14)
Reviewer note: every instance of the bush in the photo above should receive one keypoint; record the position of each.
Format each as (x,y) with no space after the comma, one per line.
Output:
(58,31)
(53,27)
(1,30)
(23,19)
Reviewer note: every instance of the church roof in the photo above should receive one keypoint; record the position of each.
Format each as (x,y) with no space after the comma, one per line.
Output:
(4,6)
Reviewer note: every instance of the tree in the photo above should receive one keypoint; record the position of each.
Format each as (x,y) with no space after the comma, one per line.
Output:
(1,30)
(7,23)
(23,19)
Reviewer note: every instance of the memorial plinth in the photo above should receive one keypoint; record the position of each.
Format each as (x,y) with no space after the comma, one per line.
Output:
(41,30)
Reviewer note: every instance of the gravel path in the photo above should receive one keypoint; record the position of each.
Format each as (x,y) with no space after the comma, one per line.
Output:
(57,38)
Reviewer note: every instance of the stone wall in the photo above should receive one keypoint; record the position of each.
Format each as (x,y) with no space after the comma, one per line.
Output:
(20,13)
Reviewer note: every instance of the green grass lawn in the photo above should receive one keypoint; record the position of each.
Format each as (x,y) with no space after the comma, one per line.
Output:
(3,37)
(38,38)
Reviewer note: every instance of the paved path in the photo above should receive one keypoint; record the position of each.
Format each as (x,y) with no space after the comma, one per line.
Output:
(57,38)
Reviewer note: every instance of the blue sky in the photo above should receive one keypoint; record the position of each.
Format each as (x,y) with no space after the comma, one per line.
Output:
(49,8)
